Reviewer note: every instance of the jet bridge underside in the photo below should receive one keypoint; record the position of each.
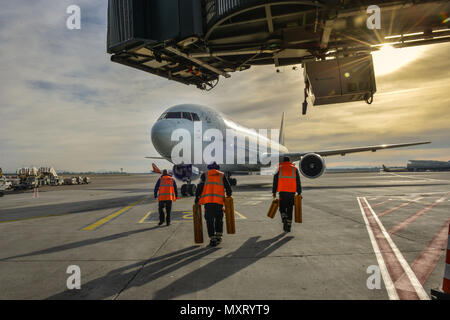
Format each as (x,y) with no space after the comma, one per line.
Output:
(195,42)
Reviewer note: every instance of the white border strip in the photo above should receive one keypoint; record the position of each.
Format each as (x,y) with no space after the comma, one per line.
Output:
(411,275)
(390,288)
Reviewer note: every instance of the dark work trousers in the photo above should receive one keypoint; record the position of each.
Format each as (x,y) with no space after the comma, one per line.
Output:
(214,219)
(287,205)
(164,204)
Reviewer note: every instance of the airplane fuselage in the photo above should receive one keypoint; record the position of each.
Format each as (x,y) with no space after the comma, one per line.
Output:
(192,136)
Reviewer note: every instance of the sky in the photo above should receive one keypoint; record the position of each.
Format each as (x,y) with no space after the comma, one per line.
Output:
(63,103)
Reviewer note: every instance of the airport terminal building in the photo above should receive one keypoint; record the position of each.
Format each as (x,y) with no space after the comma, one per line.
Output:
(428,165)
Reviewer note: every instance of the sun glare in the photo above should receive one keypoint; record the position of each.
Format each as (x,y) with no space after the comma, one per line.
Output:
(389,59)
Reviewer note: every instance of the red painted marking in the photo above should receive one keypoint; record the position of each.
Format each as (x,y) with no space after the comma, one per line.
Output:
(379,203)
(425,263)
(446,286)
(415,216)
(395,208)
(403,286)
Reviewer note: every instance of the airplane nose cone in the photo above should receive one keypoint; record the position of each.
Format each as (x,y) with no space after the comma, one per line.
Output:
(161,137)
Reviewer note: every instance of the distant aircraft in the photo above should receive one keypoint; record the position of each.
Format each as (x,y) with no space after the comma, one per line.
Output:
(394,169)
(155,169)
(158,171)
(312,164)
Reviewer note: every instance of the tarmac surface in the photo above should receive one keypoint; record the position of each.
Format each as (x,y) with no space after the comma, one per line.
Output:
(363,236)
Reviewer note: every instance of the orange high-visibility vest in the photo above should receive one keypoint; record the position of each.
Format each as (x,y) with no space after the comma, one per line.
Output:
(287,179)
(166,189)
(213,190)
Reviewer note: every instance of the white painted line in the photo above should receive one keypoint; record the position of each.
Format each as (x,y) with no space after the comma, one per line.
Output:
(390,288)
(240,215)
(251,203)
(408,181)
(411,275)
(429,193)
(414,177)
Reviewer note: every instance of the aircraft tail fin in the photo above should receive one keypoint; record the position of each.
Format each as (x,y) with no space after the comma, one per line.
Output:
(281,138)
(155,168)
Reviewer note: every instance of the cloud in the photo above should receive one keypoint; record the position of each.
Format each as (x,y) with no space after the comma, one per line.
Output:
(65,104)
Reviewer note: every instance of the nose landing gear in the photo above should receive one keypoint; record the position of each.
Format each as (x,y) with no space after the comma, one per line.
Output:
(188,189)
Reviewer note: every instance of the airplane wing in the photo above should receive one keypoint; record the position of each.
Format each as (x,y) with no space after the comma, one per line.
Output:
(326,153)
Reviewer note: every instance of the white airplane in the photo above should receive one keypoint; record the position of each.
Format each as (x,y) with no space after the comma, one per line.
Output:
(312,164)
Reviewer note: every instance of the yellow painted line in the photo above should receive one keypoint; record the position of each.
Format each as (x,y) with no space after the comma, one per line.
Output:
(145,217)
(101,222)
(188,215)
(240,215)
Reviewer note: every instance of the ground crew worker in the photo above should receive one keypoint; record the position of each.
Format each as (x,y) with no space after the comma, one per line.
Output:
(211,193)
(286,182)
(167,188)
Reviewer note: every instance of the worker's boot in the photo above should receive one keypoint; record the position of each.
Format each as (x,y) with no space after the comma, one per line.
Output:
(218,238)
(161,218)
(212,241)
(284,219)
(288,226)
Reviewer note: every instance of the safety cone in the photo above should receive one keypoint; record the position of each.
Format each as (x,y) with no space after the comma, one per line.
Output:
(445,293)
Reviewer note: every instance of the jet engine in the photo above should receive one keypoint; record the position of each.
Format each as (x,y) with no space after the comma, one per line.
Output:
(312,165)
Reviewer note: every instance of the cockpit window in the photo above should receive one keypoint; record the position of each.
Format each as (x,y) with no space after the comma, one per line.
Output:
(187,115)
(173,115)
(180,115)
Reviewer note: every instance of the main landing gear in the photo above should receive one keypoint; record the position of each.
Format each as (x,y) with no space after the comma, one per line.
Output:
(232,181)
